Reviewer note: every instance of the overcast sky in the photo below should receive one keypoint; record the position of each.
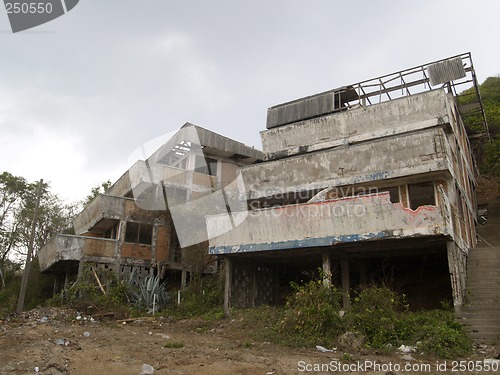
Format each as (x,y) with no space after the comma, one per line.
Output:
(79,94)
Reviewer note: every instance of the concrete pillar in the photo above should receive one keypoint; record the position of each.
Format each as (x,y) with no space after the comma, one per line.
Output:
(254,291)
(66,279)
(344,266)
(56,285)
(183,279)
(228,270)
(456,265)
(80,269)
(327,270)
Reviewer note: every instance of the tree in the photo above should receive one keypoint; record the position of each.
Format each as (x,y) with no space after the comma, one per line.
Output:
(13,190)
(95,192)
(17,205)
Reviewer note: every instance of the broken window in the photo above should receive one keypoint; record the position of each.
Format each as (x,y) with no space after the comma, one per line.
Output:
(393,192)
(205,165)
(139,233)
(421,194)
(112,232)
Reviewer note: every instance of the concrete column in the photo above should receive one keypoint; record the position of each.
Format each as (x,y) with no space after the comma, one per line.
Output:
(183,279)
(457,270)
(344,266)
(80,269)
(154,241)
(228,270)
(56,285)
(66,279)
(327,270)
(254,285)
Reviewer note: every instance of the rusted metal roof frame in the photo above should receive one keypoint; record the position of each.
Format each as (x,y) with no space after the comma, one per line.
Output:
(386,87)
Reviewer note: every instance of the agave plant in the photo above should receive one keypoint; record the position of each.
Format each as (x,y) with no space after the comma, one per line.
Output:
(149,293)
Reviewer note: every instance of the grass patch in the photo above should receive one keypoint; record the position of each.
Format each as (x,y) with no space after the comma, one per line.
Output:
(174,345)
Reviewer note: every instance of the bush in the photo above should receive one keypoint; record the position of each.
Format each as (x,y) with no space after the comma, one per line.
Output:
(312,314)
(437,332)
(376,312)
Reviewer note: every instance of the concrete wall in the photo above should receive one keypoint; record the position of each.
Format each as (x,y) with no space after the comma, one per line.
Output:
(386,158)
(389,118)
(345,220)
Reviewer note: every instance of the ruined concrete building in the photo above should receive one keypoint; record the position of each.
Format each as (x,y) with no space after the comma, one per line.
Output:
(372,182)
(129,226)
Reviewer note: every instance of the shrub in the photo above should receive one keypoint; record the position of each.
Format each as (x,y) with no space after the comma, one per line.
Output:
(376,312)
(312,314)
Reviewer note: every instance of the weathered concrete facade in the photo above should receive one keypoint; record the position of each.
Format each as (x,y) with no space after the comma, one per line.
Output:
(348,187)
(131,226)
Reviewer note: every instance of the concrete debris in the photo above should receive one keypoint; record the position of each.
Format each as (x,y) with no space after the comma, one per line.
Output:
(407,349)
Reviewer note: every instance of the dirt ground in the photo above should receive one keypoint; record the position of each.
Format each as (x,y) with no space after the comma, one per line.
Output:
(61,341)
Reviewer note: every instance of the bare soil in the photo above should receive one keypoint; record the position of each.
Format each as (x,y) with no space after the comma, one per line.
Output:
(60,341)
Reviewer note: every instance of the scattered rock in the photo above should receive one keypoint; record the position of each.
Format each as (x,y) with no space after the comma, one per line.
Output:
(407,349)
(146,369)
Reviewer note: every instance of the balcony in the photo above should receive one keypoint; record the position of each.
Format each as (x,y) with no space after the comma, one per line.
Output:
(103,210)
(340,221)
(70,249)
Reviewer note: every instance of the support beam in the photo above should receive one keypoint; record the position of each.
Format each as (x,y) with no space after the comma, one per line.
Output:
(344,266)
(327,270)
(228,269)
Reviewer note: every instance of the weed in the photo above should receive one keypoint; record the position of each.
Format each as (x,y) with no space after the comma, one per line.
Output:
(174,345)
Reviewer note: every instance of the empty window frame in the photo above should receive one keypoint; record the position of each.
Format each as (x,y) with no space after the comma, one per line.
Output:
(139,233)
(205,165)
(421,194)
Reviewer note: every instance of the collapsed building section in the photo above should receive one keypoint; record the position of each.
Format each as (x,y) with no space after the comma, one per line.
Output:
(131,226)
(373,182)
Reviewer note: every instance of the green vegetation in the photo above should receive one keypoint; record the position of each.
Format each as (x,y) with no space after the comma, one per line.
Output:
(174,345)
(86,295)
(205,299)
(487,153)
(313,314)
(40,288)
